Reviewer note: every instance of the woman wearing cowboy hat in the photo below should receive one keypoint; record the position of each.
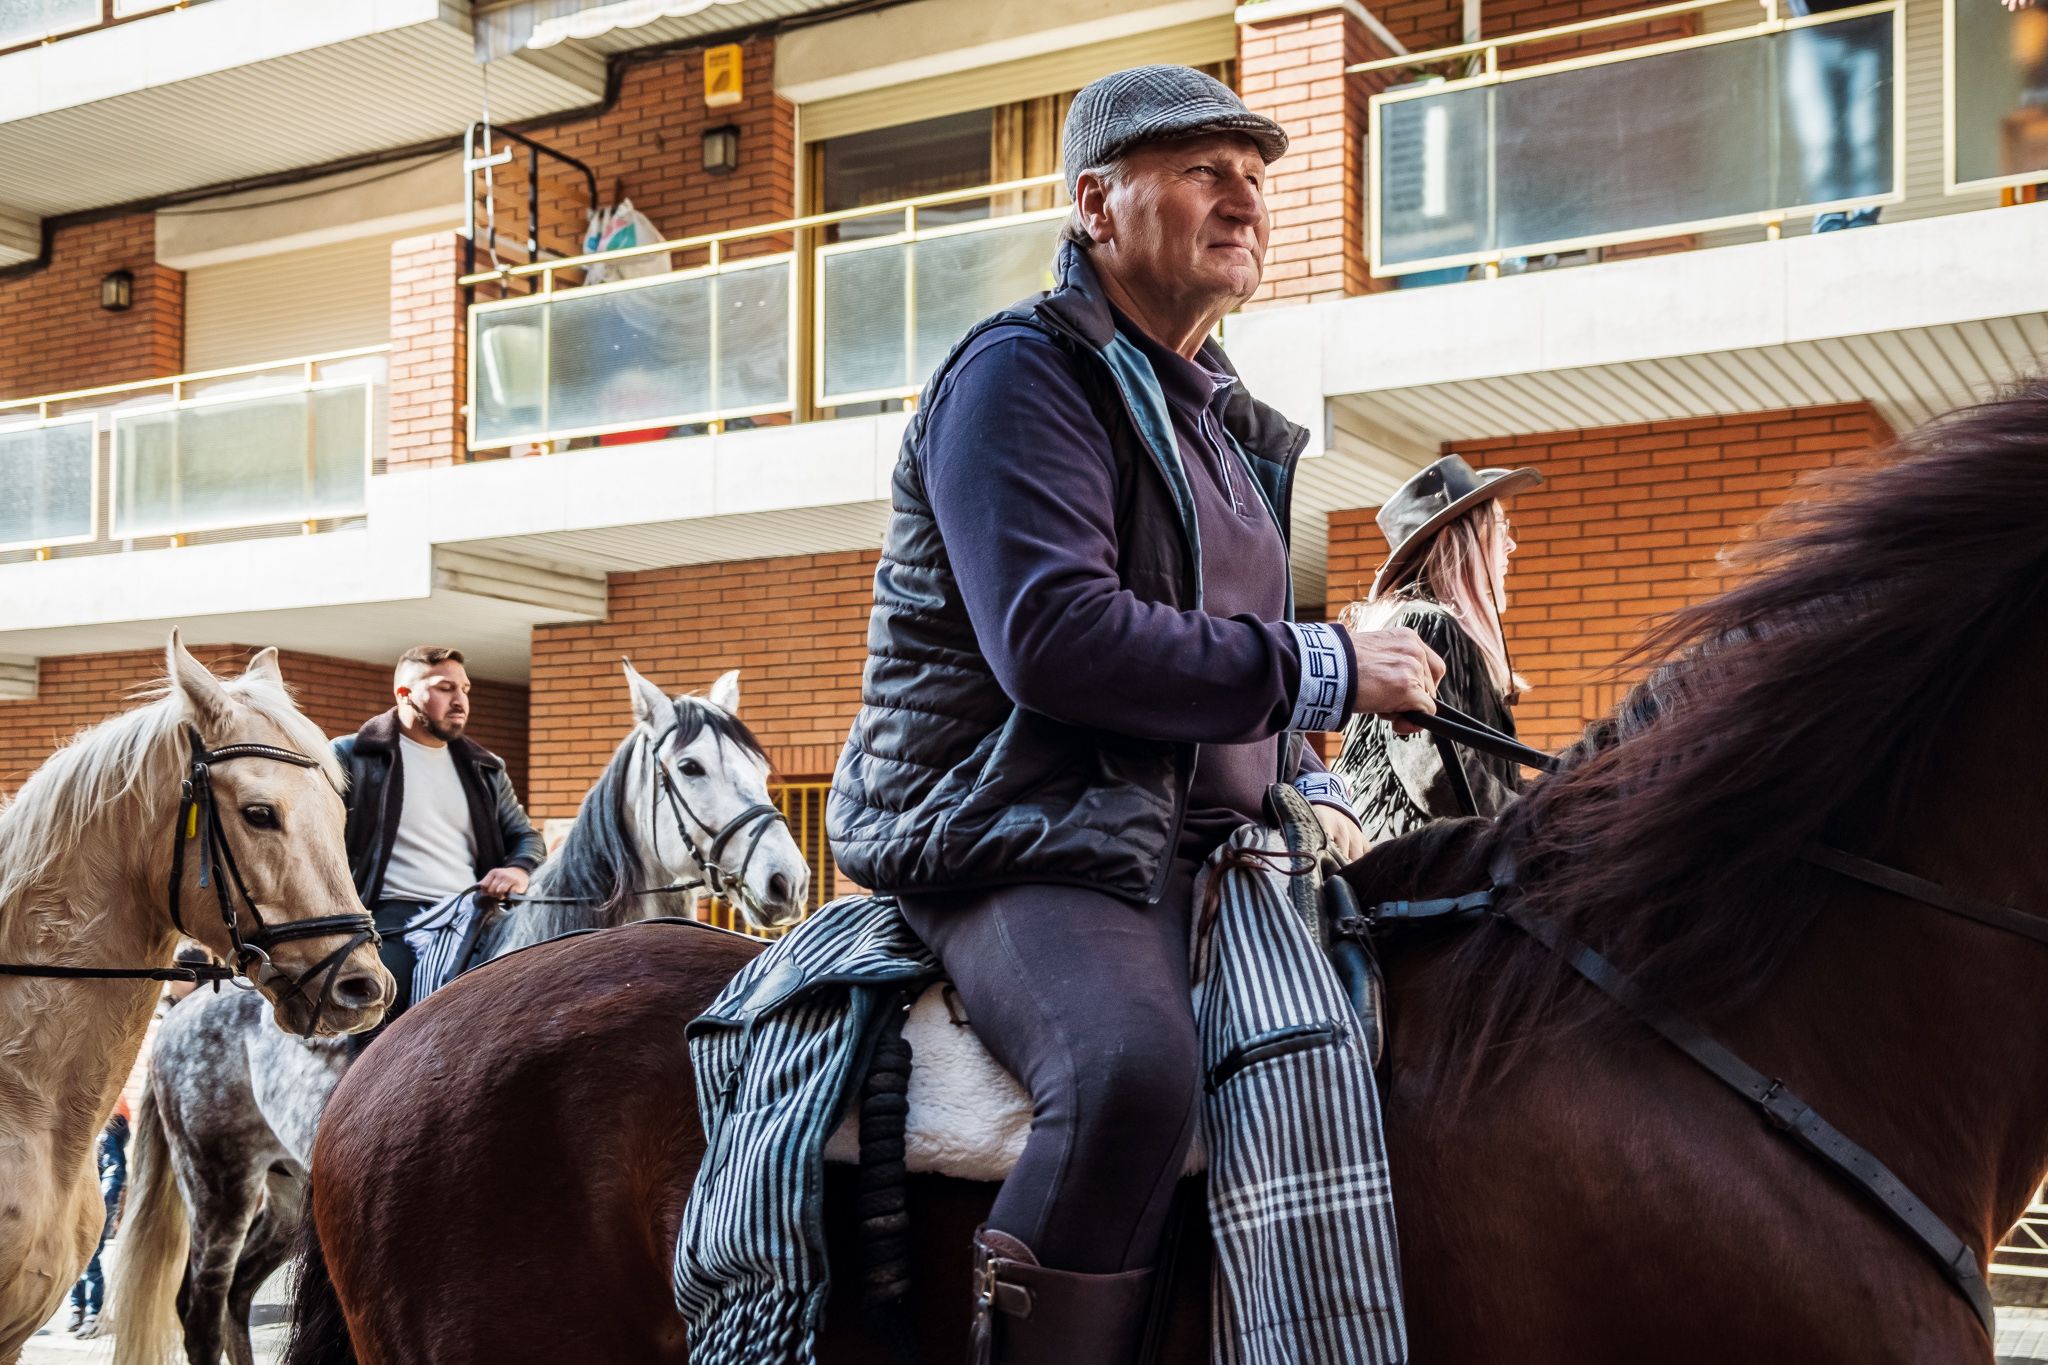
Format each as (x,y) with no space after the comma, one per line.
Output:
(1446,579)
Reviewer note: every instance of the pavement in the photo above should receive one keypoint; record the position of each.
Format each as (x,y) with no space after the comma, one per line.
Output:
(2022,1335)
(54,1346)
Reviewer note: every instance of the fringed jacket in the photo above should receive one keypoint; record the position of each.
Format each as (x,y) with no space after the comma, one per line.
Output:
(1399,782)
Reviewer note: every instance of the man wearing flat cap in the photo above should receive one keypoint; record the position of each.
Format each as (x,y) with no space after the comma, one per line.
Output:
(1083,673)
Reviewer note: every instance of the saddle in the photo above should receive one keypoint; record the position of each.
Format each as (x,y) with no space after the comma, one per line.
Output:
(967,1117)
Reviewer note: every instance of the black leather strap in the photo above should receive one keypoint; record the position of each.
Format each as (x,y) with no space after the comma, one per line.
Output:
(1784,1110)
(1454,769)
(1931,894)
(1452,724)
(197,973)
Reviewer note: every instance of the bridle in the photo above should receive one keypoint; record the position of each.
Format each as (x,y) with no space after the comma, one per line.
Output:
(1786,1112)
(199,822)
(759,817)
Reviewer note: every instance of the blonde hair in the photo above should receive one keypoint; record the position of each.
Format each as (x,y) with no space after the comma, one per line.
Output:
(1456,573)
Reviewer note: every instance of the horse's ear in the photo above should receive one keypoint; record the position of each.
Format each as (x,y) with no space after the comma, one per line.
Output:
(263,667)
(650,707)
(725,693)
(195,682)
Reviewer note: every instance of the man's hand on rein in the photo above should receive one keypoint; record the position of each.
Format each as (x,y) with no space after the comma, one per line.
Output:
(1347,840)
(501,882)
(1397,672)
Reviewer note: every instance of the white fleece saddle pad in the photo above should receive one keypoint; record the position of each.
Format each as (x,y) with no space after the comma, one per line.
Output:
(968,1117)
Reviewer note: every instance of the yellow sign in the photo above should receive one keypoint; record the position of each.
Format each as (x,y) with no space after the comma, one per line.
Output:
(722,76)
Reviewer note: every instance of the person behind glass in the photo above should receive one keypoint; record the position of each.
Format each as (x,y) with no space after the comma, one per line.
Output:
(1445,578)
(89,1295)
(431,812)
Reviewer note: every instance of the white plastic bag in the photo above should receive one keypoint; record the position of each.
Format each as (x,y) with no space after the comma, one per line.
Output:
(616,230)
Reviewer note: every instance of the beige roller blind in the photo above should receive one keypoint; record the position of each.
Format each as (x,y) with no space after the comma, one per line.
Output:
(1195,44)
(290,303)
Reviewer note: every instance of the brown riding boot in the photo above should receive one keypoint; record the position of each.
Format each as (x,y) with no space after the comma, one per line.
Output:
(1025,1314)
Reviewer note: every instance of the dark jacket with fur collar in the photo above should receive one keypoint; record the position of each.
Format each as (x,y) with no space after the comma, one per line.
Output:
(376,796)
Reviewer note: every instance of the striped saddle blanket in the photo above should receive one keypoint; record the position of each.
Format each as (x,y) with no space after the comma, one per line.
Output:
(1295,1154)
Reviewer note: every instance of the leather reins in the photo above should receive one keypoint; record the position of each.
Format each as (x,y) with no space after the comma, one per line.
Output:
(1786,1112)
(199,823)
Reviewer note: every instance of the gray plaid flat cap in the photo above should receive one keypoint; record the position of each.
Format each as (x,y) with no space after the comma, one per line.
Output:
(1148,103)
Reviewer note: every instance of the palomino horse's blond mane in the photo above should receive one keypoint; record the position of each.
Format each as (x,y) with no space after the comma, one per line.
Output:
(84,846)
(135,758)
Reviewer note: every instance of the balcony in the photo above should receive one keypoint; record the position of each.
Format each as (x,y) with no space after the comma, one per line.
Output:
(1746,127)
(138,100)
(758,326)
(287,446)
(1624,237)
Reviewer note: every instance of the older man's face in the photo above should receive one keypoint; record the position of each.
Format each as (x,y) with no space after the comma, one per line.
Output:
(1188,220)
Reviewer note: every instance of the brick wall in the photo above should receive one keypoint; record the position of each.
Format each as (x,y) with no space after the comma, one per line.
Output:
(80,690)
(1625,528)
(55,336)
(648,147)
(429,352)
(795,627)
(1292,70)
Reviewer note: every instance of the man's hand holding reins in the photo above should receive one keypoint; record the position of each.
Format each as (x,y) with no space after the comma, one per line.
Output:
(501,882)
(1396,672)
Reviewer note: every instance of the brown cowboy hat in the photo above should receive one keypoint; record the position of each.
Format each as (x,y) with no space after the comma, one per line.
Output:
(1435,497)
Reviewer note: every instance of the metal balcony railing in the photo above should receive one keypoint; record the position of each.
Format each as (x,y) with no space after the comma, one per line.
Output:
(1749,126)
(288,442)
(34,21)
(734,332)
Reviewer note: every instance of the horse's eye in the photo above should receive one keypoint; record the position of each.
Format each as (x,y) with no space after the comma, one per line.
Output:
(260,817)
(690,767)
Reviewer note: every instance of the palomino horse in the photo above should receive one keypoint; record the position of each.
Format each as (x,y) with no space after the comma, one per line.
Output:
(1570,1188)
(227,1119)
(89,879)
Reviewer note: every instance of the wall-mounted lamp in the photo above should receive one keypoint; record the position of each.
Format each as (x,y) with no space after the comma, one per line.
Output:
(117,291)
(722,149)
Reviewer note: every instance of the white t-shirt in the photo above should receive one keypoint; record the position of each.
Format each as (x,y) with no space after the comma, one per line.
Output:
(434,855)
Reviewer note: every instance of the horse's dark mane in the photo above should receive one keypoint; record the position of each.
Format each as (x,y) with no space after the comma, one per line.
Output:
(1805,704)
(595,880)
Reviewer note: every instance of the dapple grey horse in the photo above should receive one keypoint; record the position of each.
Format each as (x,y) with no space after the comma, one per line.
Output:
(225,1128)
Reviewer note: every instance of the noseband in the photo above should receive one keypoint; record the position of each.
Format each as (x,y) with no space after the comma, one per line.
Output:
(759,817)
(199,823)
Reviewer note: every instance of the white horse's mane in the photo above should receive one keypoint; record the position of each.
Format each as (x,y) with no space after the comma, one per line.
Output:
(138,755)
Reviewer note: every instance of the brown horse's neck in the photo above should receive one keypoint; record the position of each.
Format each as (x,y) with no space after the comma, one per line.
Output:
(1919,1033)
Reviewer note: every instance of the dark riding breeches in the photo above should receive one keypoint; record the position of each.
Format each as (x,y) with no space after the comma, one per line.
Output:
(1084,998)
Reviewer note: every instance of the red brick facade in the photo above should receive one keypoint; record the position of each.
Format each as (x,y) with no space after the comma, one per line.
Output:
(1292,70)
(795,628)
(81,690)
(1625,528)
(54,336)
(429,352)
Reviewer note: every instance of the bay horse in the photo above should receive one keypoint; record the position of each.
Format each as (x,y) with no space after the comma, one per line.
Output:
(224,1132)
(89,880)
(1569,1187)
